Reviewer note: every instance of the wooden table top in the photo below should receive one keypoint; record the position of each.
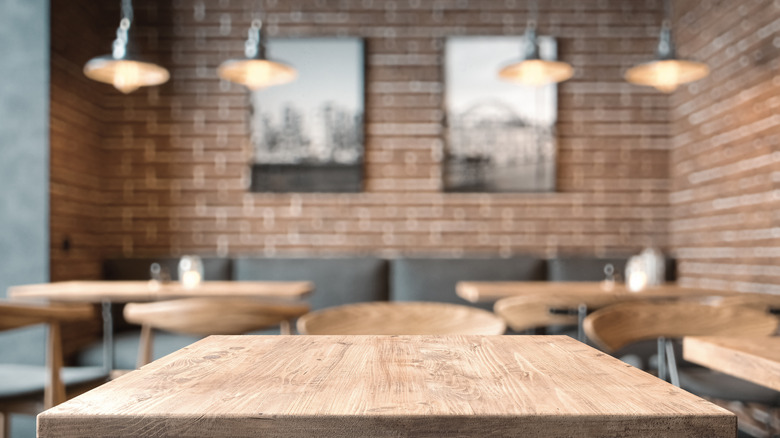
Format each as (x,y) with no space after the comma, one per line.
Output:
(487,291)
(329,386)
(129,291)
(756,359)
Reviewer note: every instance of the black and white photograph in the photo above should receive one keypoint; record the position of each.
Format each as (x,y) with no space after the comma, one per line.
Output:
(500,135)
(308,134)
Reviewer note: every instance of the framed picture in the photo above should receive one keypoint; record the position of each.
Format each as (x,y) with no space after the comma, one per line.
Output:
(308,134)
(500,135)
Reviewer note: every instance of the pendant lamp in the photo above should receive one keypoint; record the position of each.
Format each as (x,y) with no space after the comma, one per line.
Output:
(125,72)
(667,72)
(255,70)
(531,69)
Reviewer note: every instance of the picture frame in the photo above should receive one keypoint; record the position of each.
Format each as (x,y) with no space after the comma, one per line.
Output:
(500,136)
(308,135)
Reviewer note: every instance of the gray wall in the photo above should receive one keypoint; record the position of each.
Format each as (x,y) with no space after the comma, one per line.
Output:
(24,142)
(24,169)
(24,151)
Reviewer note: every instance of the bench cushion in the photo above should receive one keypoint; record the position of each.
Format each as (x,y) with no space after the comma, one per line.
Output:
(431,279)
(336,280)
(18,380)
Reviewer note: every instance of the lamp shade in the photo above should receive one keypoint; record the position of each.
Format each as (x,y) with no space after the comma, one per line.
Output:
(121,70)
(531,69)
(536,72)
(126,75)
(256,73)
(255,70)
(667,74)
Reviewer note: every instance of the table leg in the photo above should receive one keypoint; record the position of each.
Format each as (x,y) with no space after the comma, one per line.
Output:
(108,336)
(582,312)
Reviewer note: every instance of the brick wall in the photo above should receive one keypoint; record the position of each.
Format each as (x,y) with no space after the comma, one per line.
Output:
(175,158)
(725,160)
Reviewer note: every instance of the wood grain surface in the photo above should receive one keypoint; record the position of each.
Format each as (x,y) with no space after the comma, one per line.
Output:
(401,318)
(488,291)
(128,291)
(335,386)
(622,324)
(753,358)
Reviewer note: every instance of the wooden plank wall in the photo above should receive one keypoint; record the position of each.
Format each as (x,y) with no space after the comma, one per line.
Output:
(78,159)
(175,158)
(725,160)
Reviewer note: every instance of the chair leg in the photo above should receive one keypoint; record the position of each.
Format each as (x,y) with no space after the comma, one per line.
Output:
(54,393)
(145,346)
(672,363)
(284,327)
(582,312)
(108,336)
(662,358)
(5,425)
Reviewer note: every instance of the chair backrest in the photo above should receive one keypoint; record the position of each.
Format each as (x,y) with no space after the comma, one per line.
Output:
(18,315)
(209,316)
(616,326)
(540,310)
(401,318)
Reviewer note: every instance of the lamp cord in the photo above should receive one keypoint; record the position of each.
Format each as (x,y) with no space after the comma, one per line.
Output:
(666,49)
(120,43)
(667,13)
(254,48)
(127,10)
(257,10)
(533,15)
(530,49)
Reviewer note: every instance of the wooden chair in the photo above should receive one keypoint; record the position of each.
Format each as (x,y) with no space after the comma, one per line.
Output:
(208,316)
(619,325)
(527,312)
(30,389)
(401,318)
(622,324)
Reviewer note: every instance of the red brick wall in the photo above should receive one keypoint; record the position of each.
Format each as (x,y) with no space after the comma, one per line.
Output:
(175,158)
(725,159)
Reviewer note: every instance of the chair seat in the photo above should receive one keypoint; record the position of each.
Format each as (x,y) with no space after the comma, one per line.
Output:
(18,379)
(707,383)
